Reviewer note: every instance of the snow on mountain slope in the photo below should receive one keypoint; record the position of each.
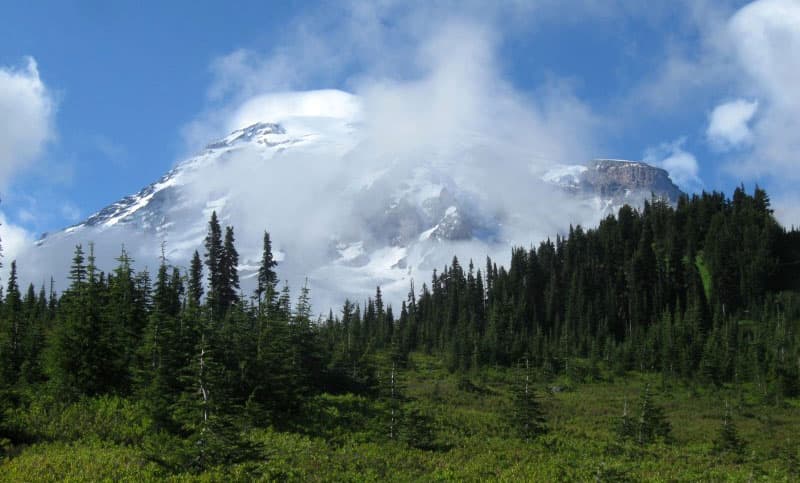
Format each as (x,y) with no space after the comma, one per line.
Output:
(349,214)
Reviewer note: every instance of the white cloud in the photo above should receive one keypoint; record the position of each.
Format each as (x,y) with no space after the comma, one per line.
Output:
(352,45)
(746,52)
(681,164)
(27,109)
(728,126)
(766,36)
(765,39)
(432,96)
(787,209)
(15,240)
(276,107)
(695,59)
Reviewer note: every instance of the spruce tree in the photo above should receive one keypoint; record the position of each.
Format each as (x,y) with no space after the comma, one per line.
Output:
(652,423)
(229,271)
(527,418)
(14,330)
(728,440)
(267,279)
(162,361)
(195,280)
(625,426)
(417,427)
(213,260)
(203,412)
(78,350)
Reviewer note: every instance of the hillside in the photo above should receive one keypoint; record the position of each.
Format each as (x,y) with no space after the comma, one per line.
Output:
(661,344)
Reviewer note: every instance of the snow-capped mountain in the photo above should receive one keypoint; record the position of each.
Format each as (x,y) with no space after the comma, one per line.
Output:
(350,215)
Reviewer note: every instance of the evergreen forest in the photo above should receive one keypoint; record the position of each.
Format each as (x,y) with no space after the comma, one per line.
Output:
(662,344)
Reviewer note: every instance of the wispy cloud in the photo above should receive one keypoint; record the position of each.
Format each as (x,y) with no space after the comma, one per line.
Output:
(424,89)
(681,164)
(27,107)
(728,125)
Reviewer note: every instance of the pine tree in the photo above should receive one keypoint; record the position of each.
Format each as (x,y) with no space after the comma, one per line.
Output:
(77,272)
(203,414)
(728,440)
(159,384)
(78,351)
(35,314)
(307,365)
(195,280)
(625,427)
(652,423)
(14,330)
(527,418)
(213,260)
(267,278)
(416,427)
(229,272)
(125,320)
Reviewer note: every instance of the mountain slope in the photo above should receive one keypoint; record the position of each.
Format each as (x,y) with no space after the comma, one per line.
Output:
(349,215)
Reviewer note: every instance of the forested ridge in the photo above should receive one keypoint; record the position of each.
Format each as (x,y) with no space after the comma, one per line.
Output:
(184,367)
(705,289)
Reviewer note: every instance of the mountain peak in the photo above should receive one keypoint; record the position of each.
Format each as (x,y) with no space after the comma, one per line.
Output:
(340,212)
(256,131)
(619,181)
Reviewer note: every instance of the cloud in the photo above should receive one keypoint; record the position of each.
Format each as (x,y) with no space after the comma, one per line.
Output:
(695,59)
(351,45)
(27,107)
(421,99)
(681,164)
(279,106)
(15,240)
(765,37)
(70,212)
(748,53)
(787,208)
(728,126)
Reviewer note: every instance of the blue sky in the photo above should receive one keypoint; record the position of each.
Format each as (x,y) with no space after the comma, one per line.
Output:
(114,93)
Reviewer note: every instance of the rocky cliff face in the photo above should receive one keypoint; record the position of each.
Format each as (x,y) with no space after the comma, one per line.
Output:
(619,179)
(614,182)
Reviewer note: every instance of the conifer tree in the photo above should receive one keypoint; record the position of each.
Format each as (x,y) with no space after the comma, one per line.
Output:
(417,427)
(229,271)
(78,352)
(213,260)
(625,426)
(14,330)
(159,384)
(267,279)
(728,440)
(652,423)
(527,418)
(195,280)
(202,412)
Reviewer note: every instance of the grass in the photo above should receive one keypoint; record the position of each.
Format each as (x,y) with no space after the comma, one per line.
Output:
(347,440)
(705,274)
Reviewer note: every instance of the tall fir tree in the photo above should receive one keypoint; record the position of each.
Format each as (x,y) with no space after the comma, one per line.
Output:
(267,278)
(214,260)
